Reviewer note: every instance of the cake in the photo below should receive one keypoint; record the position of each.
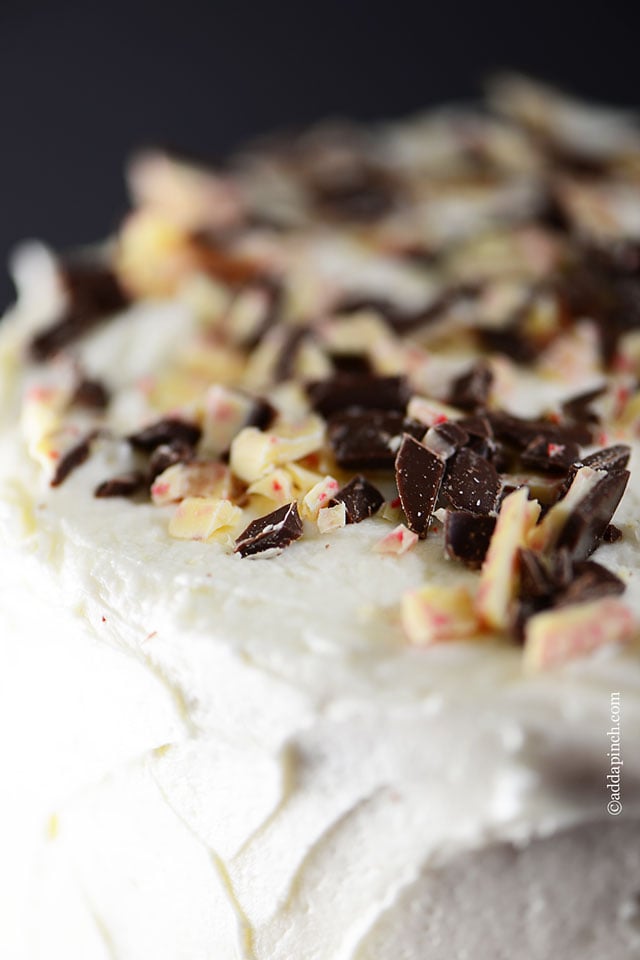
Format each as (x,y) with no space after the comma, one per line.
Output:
(319,488)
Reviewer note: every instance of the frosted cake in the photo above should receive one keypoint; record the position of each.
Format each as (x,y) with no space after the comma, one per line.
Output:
(319,494)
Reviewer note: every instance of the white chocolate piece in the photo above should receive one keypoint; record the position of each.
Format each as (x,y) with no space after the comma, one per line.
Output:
(557,636)
(432,614)
(397,542)
(318,497)
(254,452)
(154,255)
(200,518)
(197,479)
(498,576)
(225,413)
(431,412)
(276,486)
(332,518)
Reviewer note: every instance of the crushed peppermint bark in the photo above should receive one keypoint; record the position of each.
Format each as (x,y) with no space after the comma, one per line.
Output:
(272,532)
(361,499)
(367,320)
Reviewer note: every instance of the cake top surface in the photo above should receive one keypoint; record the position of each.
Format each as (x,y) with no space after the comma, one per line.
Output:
(361,393)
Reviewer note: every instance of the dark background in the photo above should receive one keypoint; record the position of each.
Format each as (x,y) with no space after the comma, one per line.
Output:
(82,84)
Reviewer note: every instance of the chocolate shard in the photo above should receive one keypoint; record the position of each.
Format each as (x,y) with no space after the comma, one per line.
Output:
(91,394)
(93,293)
(540,454)
(471,390)
(292,341)
(467,536)
(535,577)
(470,483)
(612,534)
(444,439)
(358,390)
(359,192)
(166,455)
(419,474)
(591,581)
(262,415)
(482,440)
(586,525)
(579,407)
(361,499)
(519,432)
(168,431)
(275,531)
(124,485)
(610,459)
(369,439)
(74,458)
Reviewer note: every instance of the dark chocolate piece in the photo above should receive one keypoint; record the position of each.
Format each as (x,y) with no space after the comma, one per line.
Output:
(419,474)
(93,292)
(91,394)
(611,459)
(612,534)
(361,499)
(586,525)
(351,363)
(166,455)
(520,432)
(471,390)
(364,391)
(535,578)
(470,483)
(275,299)
(262,415)
(124,485)
(369,439)
(355,192)
(444,439)
(540,454)
(293,338)
(272,532)
(579,407)
(74,458)
(510,341)
(167,431)
(467,536)
(591,581)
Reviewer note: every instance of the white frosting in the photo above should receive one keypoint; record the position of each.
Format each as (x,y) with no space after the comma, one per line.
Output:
(244,759)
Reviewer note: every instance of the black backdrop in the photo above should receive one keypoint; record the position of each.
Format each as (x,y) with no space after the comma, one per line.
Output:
(81,84)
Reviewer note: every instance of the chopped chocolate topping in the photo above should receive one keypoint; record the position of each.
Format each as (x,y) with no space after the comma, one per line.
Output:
(444,439)
(579,407)
(470,483)
(536,580)
(94,292)
(586,525)
(419,474)
(166,455)
(272,290)
(511,341)
(611,459)
(294,337)
(548,457)
(361,499)
(351,363)
(369,439)
(471,390)
(168,431)
(74,458)
(124,485)
(356,192)
(358,390)
(612,534)
(262,415)
(275,531)
(591,581)
(91,394)
(520,432)
(467,536)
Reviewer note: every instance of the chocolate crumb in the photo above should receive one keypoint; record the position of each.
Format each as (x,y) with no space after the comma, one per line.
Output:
(467,536)
(166,455)
(361,499)
(74,458)
(369,439)
(124,485)
(275,531)
(167,431)
(419,474)
(470,483)
(91,394)
(612,534)
(365,391)
(471,390)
